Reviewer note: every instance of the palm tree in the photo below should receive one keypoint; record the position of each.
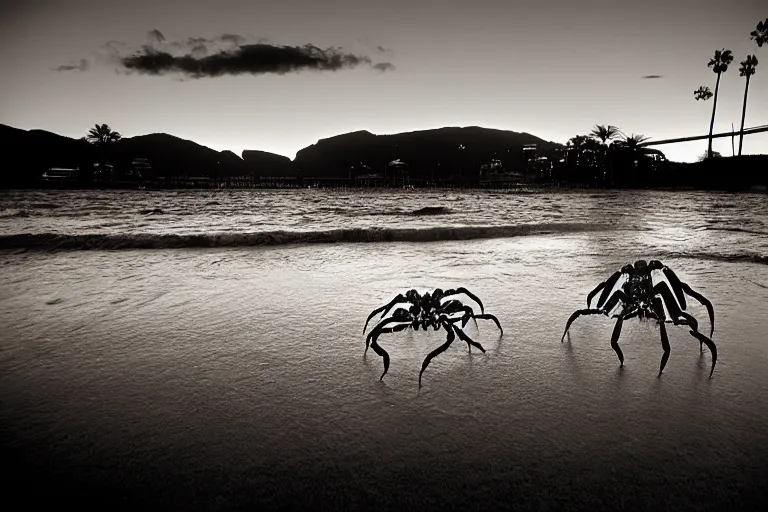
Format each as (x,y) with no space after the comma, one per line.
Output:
(605,133)
(585,150)
(719,64)
(702,93)
(747,69)
(760,35)
(102,135)
(633,141)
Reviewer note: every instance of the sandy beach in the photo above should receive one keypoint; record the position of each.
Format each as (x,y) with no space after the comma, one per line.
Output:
(213,379)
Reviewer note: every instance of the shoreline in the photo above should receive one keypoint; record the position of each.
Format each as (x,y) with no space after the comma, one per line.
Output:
(521,188)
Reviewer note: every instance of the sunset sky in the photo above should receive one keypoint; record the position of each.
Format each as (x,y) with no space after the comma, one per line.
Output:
(547,67)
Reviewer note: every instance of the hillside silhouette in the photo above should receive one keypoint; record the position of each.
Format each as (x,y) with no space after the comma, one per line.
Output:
(428,154)
(434,153)
(28,153)
(452,155)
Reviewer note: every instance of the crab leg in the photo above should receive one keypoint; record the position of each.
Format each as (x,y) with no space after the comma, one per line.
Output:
(438,350)
(676,313)
(576,314)
(383,353)
(677,286)
(447,323)
(632,314)
(608,288)
(680,288)
(452,306)
(377,331)
(710,345)
(663,290)
(385,308)
(664,345)
(488,316)
(594,292)
(466,292)
(705,302)
(463,337)
(617,296)
(373,337)
(669,300)
(690,321)
(615,338)
(457,307)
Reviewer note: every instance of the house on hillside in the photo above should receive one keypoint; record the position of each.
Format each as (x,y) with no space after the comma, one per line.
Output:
(60,175)
(103,173)
(140,168)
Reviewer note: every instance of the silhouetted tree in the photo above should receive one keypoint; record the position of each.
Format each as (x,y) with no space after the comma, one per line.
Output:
(704,156)
(747,69)
(760,34)
(605,133)
(633,141)
(102,135)
(702,93)
(719,64)
(587,151)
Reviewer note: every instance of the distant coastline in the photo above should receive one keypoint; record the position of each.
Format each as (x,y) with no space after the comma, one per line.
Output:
(445,158)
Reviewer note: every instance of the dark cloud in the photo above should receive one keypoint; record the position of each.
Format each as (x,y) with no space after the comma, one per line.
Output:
(155,36)
(381,49)
(384,66)
(83,65)
(199,50)
(233,39)
(254,59)
(650,77)
(227,54)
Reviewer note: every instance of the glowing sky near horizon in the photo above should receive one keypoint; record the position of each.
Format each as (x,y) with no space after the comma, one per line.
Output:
(552,68)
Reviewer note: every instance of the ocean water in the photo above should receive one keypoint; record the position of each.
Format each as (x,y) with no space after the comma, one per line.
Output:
(206,352)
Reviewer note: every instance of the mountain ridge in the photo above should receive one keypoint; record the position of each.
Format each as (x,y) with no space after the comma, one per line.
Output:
(450,149)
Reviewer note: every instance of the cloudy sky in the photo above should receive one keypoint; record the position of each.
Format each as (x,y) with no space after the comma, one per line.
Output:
(279,75)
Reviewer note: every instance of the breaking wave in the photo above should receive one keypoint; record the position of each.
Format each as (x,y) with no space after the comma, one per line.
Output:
(432,210)
(53,241)
(736,230)
(425,211)
(744,256)
(12,214)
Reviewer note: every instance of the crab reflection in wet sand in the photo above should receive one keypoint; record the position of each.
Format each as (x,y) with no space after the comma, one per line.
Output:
(436,310)
(639,297)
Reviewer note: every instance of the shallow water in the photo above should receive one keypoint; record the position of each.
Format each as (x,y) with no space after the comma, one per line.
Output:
(708,225)
(215,378)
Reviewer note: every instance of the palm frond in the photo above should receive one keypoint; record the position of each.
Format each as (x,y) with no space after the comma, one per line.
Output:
(760,35)
(702,93)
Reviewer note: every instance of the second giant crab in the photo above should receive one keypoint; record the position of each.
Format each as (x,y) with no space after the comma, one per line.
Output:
(639,297)
(436,310)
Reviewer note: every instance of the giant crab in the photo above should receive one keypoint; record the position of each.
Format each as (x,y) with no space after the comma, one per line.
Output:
(436,310)
(639,297)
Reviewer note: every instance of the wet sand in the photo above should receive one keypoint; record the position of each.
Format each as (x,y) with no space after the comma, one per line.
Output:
(221,379)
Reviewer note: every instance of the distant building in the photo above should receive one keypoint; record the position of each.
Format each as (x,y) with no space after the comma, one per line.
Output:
(529,152)
(103,172)
(140,168)
(60,174)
